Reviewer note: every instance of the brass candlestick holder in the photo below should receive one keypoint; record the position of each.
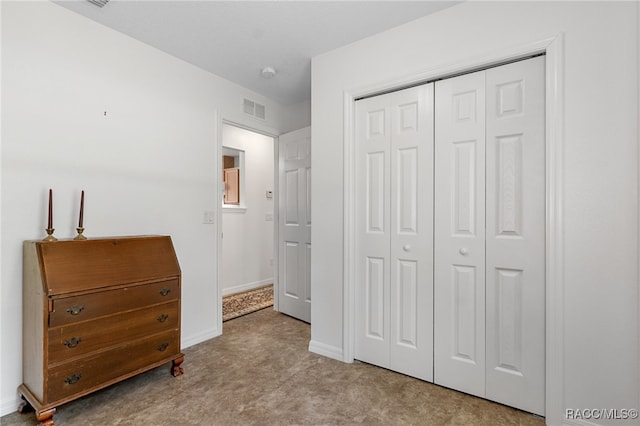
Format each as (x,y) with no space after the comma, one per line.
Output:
(50,236)
(80,236)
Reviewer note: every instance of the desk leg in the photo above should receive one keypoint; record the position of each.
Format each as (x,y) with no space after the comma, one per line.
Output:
(45,417)
(30,404)
(176,370)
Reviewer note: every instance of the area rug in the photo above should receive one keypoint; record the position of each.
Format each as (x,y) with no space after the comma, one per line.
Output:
(239,304)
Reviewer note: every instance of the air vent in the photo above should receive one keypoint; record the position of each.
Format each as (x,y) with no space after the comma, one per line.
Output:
(260,112)
(255,109)
(99,3)
(249,107)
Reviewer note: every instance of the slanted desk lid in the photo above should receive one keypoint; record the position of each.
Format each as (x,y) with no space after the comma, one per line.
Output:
(70,266)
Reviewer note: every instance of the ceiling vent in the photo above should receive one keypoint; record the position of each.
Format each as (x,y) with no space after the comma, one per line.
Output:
(254,109)
(99,3)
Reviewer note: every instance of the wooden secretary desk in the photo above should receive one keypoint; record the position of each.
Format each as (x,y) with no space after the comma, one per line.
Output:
(96,312)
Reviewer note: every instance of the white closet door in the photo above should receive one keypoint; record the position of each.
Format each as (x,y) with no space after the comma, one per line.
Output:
(394,249)
(411,350)
(515,235)
(460,233)
(489,274)
(373,239)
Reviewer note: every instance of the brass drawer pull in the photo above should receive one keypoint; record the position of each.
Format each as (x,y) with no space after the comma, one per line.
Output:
(165,291)
(73,342)
(163,318)
(163,347)
(73,378)
(75,309)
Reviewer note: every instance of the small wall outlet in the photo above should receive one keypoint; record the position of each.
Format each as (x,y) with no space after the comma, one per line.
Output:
(209,217)
(268,217)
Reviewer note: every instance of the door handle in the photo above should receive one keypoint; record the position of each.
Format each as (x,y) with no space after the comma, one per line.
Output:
(406,247)
(464,251)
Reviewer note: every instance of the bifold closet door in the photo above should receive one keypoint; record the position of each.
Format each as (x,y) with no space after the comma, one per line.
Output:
(489,234)
(460,233)
(394,238)
(515,234)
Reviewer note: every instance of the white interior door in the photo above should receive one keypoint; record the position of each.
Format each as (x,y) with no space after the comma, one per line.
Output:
(515,235)
(294,215)
(460,233)
(394,250)
(489,239)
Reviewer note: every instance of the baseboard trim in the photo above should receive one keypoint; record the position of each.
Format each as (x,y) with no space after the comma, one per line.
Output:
(329,351)
(200,337)
(246,287)
(9,405)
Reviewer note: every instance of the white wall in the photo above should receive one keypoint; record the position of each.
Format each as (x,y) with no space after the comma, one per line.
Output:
(247,246)
(149,166)
(296,116)
(600,205)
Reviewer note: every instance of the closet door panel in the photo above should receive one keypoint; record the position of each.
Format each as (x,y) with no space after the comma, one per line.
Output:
(394,243)
(373,269)
(515,235)
(411,322)
(459,320)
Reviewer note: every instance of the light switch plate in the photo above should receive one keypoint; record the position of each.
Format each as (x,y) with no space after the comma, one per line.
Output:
(209,217)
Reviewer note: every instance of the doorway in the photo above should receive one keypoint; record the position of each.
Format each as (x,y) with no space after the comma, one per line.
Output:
(247,215)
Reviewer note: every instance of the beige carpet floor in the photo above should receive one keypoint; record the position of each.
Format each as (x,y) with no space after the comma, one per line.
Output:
(260,372)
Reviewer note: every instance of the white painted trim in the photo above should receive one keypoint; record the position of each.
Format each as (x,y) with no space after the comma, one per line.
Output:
(220,120)
(200,337)
(349,271)
(323,349)
(638,180)
(10,405)
(246,287)
(479,62)
(231,209)
(554,110)
(277,238)
(219,190)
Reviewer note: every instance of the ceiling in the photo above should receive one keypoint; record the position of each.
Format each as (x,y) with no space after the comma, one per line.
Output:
(236,39)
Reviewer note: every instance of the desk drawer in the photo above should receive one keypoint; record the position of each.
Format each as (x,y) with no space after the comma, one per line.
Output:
(78,339)
(67,310)
(93,371)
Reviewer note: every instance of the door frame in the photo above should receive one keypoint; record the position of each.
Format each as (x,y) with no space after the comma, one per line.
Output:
(553,48)
(220,121)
